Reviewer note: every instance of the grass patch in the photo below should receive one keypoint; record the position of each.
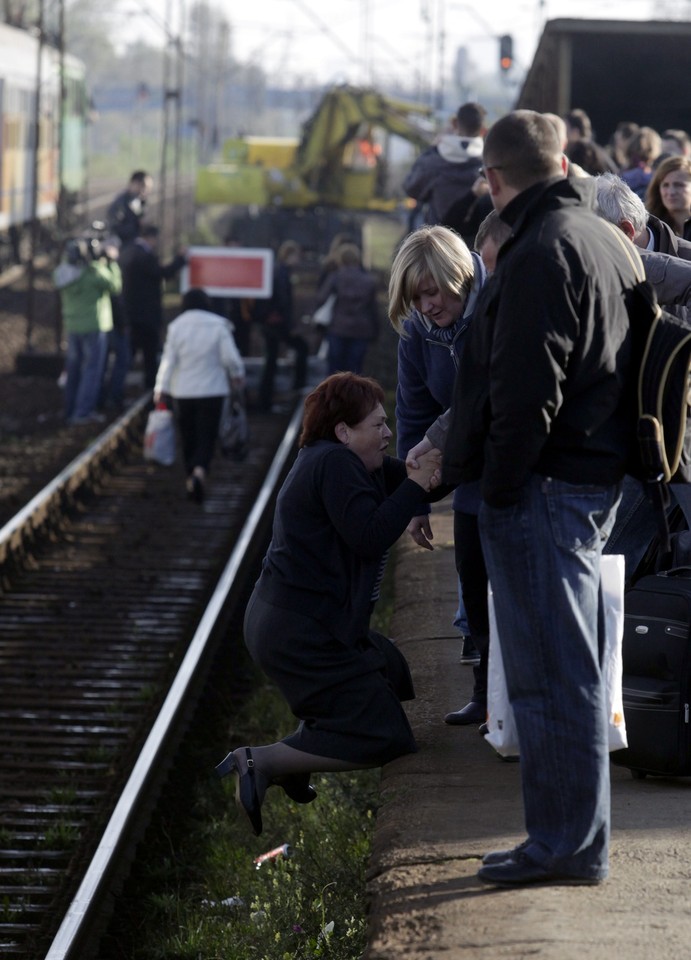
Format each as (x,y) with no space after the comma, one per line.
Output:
(205,897)
(310,905)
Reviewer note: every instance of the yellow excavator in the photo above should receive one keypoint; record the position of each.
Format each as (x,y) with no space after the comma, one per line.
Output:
(343,158)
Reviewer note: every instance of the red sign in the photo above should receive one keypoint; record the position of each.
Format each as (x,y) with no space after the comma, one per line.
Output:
(229,271)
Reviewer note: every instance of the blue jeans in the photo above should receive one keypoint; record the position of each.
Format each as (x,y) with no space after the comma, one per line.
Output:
(460,618)
(543,561)
(86,357)
(637,522)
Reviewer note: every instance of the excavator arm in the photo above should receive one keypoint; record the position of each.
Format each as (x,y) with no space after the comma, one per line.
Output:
(341,159)
(340,154)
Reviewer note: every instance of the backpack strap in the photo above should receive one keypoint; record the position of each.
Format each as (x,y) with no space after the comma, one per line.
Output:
(632,254)
(650,437)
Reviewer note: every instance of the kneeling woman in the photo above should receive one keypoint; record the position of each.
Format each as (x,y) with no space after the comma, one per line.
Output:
(342,506)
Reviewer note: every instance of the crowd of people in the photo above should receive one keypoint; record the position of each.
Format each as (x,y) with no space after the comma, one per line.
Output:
(510,297)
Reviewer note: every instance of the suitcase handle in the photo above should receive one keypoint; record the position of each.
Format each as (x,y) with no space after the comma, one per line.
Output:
(681,573)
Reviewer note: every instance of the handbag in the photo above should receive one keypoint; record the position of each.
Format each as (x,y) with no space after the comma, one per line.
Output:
(159,436)
(323,315)
(501,723)
(233,430)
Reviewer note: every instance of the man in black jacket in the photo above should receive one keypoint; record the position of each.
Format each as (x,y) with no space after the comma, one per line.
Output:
(142,273)
(539,416)
(127,209)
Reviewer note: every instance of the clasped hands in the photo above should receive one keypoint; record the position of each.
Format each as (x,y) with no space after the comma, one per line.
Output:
(423,465)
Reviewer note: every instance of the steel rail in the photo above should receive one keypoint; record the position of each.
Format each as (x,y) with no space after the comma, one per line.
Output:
(35,513)
(75,931)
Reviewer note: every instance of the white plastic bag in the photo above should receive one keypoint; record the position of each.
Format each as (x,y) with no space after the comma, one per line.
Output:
(323,315)
(503,735)
(501,725)
(159,437)
(612,576)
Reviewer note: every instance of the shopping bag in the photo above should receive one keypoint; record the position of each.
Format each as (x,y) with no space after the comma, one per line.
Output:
(612,577)
(501,725)
(159,436)
(323,315)
(233,431)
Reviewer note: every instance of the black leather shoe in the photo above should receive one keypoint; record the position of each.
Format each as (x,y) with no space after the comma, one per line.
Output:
(246,795)
(226,766)
(472,713)
(521,870)
(483,729)
(297,786)
(498,856)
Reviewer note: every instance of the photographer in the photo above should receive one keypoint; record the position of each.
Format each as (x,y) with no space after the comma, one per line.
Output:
(86,278)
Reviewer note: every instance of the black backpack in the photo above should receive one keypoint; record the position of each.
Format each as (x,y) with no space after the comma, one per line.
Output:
(661,393)
(664,429)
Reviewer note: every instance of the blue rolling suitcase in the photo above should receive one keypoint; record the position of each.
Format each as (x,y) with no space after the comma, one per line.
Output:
(657,675)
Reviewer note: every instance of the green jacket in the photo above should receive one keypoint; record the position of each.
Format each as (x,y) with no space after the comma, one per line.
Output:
(85,291)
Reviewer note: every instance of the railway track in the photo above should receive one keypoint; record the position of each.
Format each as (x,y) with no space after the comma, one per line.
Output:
(112,592)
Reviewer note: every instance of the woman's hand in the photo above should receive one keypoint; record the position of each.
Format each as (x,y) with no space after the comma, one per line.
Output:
(427,474)
(422,447)
(420,530)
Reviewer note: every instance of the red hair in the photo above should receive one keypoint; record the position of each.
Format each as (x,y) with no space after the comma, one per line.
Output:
(341,398)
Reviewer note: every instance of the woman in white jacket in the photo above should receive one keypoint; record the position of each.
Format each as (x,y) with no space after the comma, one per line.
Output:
(199,365)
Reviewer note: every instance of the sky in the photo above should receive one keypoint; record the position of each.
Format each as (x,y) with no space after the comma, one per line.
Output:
(361,41)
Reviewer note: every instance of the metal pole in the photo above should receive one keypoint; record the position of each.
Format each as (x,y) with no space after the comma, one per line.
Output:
(62,100)
(164,138)
(31,299)
(178,123)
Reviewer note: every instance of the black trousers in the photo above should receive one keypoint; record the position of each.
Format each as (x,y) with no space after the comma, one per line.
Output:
(198,421)
(470,564)
(146,338)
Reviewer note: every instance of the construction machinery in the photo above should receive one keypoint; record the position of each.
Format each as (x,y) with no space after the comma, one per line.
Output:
(344,158)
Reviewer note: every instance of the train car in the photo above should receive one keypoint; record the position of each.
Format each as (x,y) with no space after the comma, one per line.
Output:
(59,165)
(614,70)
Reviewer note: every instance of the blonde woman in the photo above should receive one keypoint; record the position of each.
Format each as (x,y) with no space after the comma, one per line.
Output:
(434,286)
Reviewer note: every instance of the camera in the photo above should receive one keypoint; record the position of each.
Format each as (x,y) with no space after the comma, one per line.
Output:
(89,247)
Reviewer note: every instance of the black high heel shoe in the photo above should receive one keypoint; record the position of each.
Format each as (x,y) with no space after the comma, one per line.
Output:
(297,786)
(246,795)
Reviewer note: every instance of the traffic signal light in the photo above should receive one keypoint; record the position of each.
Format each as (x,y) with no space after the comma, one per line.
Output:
(505,52)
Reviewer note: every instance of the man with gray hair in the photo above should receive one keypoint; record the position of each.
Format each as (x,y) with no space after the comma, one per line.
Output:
(669,275)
